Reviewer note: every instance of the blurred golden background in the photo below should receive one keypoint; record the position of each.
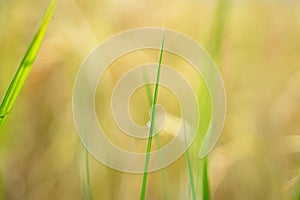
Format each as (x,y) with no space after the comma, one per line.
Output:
(256,46)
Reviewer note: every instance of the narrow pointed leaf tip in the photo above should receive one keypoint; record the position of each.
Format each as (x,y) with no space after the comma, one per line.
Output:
(25,66)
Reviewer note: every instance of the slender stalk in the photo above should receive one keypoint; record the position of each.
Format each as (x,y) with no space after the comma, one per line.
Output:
(156,137)
(217,32)
(85,175)
(152,120)
(214,48)
(205,183)
(190,171)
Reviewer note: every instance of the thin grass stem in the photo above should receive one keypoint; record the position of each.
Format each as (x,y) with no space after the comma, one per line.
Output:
(156,137)
(190,171)
(214,48)
(152,120)
(85,177)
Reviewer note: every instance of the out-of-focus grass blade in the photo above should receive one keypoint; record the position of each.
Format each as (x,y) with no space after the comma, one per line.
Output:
(152,120)
(214,48)
(205,183)
(148,88)
(85,177)
(25,66)
(217,32)
(189,166)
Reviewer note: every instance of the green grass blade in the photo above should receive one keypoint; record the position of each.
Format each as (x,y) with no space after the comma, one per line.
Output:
(156,137)
(214,48)
(148,89)
(152,120)
(189,166)
(217,32)
(85,177)
(205,183)
(25,66)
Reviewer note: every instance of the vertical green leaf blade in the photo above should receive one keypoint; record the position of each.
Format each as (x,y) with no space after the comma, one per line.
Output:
(217,32)
(189,167)
(156,137)
(25,66)
(152,120)
(86,187)
(205,183)
(214,48)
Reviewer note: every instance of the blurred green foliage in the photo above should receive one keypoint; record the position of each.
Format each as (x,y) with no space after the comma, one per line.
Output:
(259,62)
